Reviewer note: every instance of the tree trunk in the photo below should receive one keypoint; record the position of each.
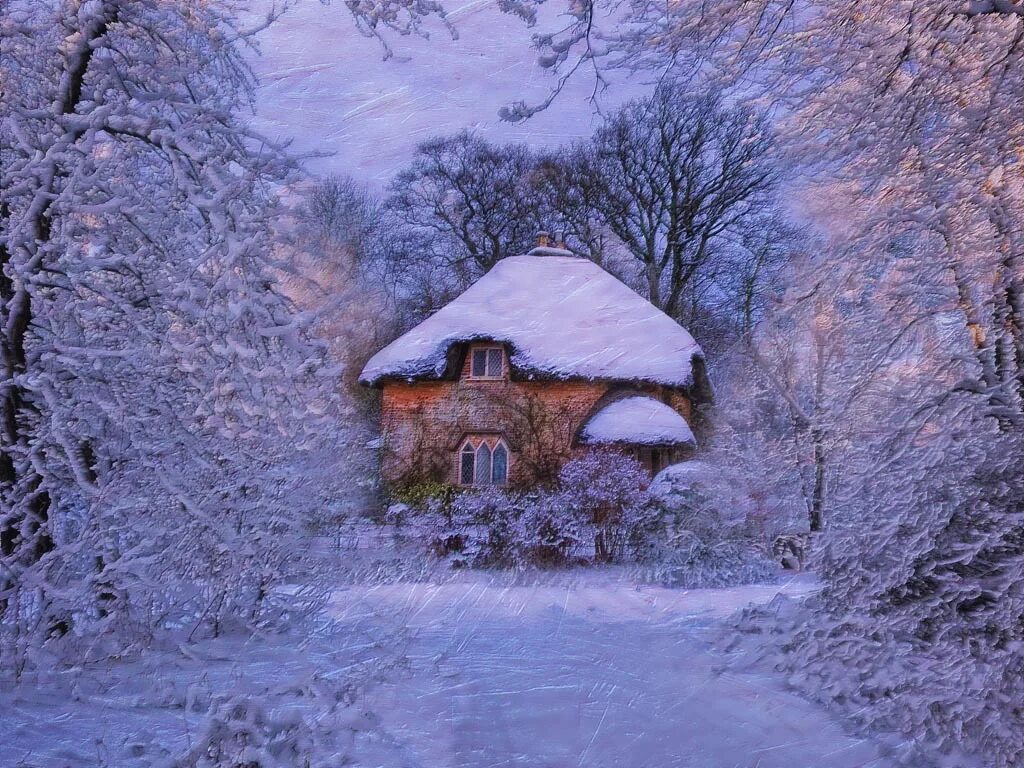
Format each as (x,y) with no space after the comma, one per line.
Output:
(25,535)
(818,491)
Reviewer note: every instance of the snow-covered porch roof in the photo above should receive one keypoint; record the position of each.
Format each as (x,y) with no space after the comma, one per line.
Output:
(637,420)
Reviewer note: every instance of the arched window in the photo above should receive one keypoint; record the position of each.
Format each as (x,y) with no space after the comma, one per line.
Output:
(466,465)
(483,460)
(499,464)
(482,476)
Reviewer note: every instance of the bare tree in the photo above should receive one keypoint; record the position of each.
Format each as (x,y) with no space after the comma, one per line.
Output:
(332,253)
(467,201)
(567,190)
(341,213)
(682,180)
(730,297)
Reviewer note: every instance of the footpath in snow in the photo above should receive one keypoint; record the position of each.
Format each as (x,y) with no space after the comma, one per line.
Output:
(465,670)
(587,671)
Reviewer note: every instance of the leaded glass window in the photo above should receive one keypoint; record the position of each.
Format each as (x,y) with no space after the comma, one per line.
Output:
(479,369)
(483,460)
(499,464)
(487,362)
(482,476)
(494,360)
(466,462)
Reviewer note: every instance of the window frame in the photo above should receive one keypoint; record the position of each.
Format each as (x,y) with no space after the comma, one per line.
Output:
(486,349)
(474,443)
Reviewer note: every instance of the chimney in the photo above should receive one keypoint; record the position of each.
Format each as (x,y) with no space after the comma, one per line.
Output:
(543,239)
(560,240)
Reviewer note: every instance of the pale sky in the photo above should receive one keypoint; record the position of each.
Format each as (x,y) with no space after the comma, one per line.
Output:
(326,86)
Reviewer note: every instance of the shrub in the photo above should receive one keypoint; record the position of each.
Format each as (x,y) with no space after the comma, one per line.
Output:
(598,498)
(476,528)
(607,490)
(549,534)
(688,559)
(601,508)
(697,534)
(418,494)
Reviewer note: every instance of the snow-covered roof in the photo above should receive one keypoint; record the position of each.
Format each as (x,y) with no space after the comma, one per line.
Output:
(562,317)
(638,420)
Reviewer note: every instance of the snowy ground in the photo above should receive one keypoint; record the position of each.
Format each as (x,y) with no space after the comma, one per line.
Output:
(588,670)
(584,668)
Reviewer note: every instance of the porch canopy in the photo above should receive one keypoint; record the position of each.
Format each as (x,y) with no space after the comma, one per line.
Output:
(638,420)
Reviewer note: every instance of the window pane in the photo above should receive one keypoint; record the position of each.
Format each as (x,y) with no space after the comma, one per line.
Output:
(499,464)
(483,465)
(466,465)
(494,362)
(479,362)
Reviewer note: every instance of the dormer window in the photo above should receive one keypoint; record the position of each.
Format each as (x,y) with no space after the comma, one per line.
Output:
(486,362)
(483,460)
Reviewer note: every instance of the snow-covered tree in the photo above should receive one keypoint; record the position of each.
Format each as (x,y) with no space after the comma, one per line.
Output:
(909,108)
(329,242)
(854,405)
(898,350)
(160,394)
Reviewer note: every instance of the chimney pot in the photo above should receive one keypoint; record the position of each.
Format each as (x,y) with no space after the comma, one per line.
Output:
(560,240)
(543,239)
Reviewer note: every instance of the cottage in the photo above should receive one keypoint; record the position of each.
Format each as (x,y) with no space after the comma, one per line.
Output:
(544,357)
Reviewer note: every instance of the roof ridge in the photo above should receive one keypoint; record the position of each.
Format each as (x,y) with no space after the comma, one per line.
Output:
(548,250)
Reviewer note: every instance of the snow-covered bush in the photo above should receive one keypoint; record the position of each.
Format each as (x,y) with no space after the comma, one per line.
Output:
(601,510)
(699,533)
(592,511)
(238,731)
(308,725)
(608,490)
(474,528)
(924,593)
(697,548)
(928,562)
(494,527)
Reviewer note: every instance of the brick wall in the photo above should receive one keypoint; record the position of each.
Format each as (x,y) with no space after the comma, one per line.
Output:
(424,423)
